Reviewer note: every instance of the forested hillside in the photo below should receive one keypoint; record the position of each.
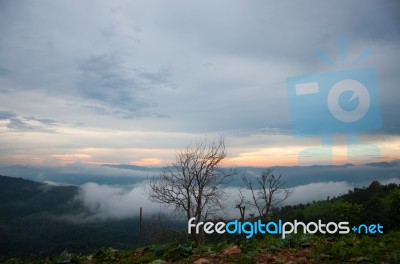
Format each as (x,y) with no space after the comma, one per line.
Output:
(34,221)
(370,205)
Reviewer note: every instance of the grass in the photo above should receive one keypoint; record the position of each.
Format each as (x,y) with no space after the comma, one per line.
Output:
(271,249)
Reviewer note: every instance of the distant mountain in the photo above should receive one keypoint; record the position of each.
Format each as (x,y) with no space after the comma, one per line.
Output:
(77,174)
(125,174)
(357,175)
(131,167)
(394,163)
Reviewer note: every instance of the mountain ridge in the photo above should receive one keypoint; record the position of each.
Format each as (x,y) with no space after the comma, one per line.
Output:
(126,174)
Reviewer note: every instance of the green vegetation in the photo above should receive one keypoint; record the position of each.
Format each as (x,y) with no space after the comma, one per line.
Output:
(39,220)
(270,249)
(371,205)
(33,231)
(30,216)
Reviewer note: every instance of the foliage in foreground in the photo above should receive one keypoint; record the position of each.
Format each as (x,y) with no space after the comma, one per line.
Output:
(271,249)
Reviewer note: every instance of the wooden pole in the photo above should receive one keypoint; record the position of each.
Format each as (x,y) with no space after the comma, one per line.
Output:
(140,227)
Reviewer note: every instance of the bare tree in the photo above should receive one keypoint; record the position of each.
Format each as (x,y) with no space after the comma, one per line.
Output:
(192,184)
(267,192)
(240,205)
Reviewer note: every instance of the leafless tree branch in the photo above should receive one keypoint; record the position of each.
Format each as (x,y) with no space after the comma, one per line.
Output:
(267,192)
(192,184)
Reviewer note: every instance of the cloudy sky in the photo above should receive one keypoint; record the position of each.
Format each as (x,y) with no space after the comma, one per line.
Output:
(133,81)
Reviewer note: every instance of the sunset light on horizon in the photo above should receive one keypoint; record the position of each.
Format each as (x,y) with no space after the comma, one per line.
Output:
(133,85)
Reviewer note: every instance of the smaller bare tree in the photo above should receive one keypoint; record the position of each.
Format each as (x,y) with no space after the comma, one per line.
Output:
(267,192)
(240,204)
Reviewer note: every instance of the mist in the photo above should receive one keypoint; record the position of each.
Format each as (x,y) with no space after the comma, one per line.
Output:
(118,202)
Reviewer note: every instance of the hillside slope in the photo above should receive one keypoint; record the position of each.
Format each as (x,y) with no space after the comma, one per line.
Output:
(36,220)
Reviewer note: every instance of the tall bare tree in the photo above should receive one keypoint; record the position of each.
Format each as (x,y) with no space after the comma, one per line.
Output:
(267,191)
(193,183)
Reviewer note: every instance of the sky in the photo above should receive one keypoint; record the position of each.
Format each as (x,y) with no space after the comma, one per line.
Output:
(131,82)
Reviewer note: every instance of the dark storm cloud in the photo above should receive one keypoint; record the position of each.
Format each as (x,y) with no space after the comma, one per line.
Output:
(102,81)
(286,35)
(4,71)
(4,91)
(19,123)
(117,89)
(47,122)
(283,30)
(121,58)
(6,115)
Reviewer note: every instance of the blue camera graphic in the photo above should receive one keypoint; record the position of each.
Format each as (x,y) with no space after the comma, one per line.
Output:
(342,102)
